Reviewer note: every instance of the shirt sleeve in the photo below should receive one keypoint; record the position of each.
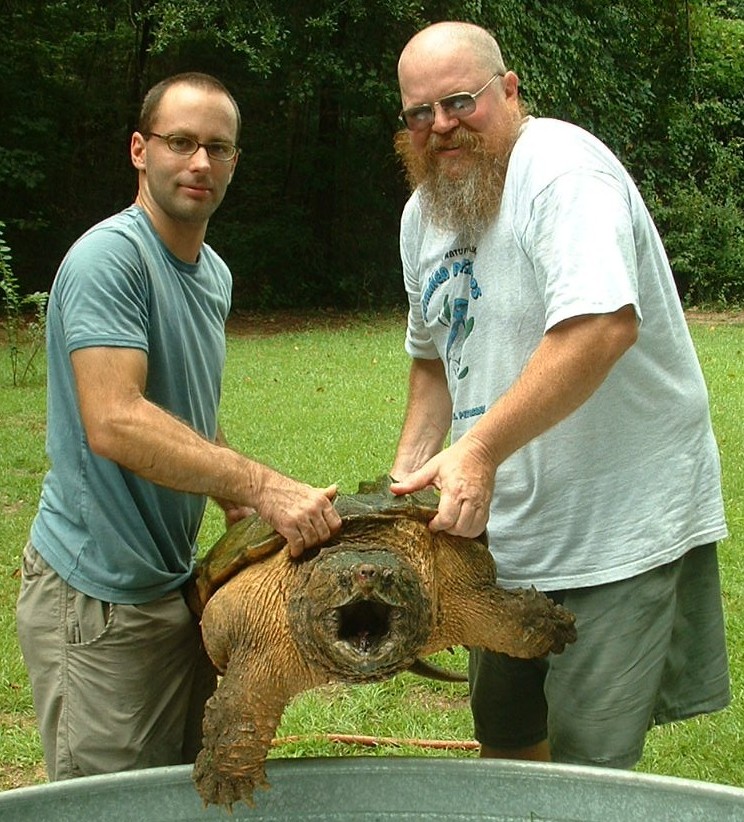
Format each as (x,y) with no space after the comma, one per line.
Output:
(418,343)
(103,293)
(580,241)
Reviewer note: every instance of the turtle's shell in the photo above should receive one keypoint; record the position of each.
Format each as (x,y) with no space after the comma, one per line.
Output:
(252,538)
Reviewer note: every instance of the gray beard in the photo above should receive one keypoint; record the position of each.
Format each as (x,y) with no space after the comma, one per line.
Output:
(467,204)
(466,200)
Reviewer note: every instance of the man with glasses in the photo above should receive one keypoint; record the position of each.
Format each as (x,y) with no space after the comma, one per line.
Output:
(548,340)
(136,348)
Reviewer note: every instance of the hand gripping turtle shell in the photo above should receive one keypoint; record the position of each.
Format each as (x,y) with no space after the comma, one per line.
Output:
(368,604)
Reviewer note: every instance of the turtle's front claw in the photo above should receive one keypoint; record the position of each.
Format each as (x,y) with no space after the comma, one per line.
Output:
(220,788)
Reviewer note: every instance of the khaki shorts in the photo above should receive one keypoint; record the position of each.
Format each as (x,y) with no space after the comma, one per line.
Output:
(650,650)
(116,687)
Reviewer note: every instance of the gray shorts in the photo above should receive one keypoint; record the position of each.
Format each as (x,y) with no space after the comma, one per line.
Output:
(116,687)
(650,649)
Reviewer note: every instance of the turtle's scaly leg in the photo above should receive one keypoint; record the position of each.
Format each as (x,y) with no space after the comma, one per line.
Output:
(239,724)
(522,623)
(474,610)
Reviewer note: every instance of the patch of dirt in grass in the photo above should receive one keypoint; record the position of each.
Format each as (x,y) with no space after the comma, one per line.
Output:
(21,776)
(700,315)
(13,775)
(438,701)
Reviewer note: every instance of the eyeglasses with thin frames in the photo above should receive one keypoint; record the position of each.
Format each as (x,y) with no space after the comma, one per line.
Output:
(188,146)
(459,105)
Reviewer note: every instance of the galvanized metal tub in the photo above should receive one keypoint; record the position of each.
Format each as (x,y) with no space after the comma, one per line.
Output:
(353,789)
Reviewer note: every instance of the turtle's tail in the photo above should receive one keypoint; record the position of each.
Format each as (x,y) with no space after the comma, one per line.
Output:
(423,668)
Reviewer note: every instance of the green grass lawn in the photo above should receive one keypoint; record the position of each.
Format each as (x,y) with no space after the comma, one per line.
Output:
(324,402)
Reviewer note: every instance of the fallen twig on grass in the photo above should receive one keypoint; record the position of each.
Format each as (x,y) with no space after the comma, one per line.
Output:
(375,741)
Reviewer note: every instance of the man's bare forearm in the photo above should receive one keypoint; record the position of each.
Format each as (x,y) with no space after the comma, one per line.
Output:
(124,426)
(428,417)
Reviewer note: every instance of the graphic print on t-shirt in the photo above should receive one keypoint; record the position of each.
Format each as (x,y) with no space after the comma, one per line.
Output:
(460,325)
(455,278)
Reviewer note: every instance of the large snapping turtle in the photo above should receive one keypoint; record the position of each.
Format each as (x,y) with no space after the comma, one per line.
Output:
(366,605)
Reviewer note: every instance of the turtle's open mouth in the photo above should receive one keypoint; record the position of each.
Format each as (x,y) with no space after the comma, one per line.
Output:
(364,624)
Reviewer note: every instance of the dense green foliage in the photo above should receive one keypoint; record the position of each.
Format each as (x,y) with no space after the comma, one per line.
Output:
(311,218)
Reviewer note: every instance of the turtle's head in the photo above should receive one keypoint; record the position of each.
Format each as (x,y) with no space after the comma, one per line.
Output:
(363,613)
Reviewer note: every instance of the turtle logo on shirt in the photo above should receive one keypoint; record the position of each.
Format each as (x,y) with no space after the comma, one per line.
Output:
(455,315)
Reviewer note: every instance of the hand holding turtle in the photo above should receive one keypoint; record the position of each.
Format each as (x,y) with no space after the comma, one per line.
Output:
(304,515)
(464,476)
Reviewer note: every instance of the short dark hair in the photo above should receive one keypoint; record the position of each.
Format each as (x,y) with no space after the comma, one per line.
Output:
(151,103)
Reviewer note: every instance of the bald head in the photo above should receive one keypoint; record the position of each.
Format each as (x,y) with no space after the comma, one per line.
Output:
(444,41)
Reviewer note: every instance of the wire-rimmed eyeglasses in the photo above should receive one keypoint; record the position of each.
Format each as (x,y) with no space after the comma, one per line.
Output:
(188,146)
(458,105)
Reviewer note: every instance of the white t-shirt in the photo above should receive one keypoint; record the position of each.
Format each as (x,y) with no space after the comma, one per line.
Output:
(629,481)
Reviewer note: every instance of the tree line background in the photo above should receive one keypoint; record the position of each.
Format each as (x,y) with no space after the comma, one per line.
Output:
(311,218)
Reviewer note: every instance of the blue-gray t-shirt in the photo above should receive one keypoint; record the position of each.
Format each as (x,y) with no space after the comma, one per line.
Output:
(109,533)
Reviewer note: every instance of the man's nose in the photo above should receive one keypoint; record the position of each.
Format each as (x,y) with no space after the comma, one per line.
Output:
(443,122)
(200,158)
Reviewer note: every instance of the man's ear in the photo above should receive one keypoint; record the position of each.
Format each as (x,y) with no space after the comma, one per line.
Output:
(138,150)
(511,84)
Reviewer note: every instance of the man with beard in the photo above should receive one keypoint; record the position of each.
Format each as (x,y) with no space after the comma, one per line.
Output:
(547,338)
(136,349)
